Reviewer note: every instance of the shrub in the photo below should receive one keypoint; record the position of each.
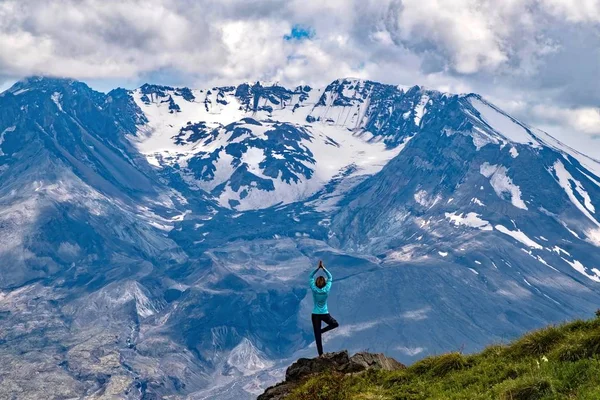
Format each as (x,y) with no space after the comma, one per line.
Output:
(423,366)
(570,376)
(569,352)
(580,346)
(526,389)
(440,365)
(594,323)
(410,394)
(591,342)
(539,342)
(327,386)
(397,378)
(494,350)
(577,325)
(447,363)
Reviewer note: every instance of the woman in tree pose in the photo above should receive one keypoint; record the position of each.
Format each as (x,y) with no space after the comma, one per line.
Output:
(320,290)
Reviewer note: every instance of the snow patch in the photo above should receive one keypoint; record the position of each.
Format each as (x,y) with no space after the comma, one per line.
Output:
(4,132)
(502,124)
(481,138)
(594,181)
(420,109)
(478,202)
(503,184)
(519,236)
(565,179)
(593,236)
(422,198)
(56,97)
(416,315)
(558,250)
(579,267)
(410,351)
(471,219)
(592,165)
(540,259)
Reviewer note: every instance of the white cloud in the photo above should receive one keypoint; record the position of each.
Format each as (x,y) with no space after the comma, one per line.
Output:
(464,29)
(582,119)
(575,10)
(90,39)
(233,39)
(523,53)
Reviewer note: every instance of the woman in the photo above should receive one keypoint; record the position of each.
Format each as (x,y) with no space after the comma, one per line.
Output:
(320,290)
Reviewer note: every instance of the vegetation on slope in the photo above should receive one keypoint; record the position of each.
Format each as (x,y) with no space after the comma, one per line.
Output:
(556,362)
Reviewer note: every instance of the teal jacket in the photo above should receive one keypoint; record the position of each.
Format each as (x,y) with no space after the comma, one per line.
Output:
(320,295)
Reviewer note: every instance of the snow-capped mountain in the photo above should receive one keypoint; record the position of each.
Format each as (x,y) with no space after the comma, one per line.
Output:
(254,147)
(157,241)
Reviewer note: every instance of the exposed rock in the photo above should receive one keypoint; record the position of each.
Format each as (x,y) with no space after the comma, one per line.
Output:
(375,361)
(341,362)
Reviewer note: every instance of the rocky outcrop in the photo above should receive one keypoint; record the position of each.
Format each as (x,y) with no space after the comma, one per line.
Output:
(340,362)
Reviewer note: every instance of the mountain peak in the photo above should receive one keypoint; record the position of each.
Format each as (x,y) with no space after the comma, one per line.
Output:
(48,84)
(41,82)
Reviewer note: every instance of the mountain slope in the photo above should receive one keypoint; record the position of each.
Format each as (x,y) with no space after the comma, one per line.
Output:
(556,362)
(159,239)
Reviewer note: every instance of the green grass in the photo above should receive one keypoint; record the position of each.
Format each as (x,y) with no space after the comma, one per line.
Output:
(556,362)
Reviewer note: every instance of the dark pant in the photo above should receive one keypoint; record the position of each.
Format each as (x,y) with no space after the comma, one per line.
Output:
(316,321)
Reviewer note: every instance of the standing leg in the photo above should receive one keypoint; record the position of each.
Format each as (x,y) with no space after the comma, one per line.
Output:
(331,323)
(316,321)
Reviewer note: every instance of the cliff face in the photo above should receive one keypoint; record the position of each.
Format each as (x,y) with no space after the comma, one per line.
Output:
(339,362)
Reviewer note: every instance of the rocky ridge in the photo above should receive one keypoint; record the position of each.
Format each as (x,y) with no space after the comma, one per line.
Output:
(339,362)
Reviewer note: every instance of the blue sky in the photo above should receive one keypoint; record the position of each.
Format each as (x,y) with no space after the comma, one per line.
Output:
(537,59)
(299,32)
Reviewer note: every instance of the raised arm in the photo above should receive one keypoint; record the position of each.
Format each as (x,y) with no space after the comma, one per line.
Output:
(329,280)
(311,281)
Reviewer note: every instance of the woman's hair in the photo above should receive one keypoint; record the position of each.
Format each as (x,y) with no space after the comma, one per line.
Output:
(320,282)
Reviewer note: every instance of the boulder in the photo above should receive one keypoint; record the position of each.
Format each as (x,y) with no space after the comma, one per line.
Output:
(339,362)
(375,361)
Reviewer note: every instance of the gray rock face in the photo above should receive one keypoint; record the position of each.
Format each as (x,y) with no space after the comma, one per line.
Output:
(339,362)
(375,361)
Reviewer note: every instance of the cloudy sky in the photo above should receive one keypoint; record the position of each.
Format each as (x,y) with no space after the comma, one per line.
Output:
(537,59)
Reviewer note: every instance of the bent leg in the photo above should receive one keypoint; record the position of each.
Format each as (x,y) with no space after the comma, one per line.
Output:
(316,321)
(331,323)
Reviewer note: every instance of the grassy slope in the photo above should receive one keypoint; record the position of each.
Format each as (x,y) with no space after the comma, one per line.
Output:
(557,362)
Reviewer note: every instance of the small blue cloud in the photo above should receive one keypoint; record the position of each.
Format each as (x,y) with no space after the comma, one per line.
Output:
(300,32)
